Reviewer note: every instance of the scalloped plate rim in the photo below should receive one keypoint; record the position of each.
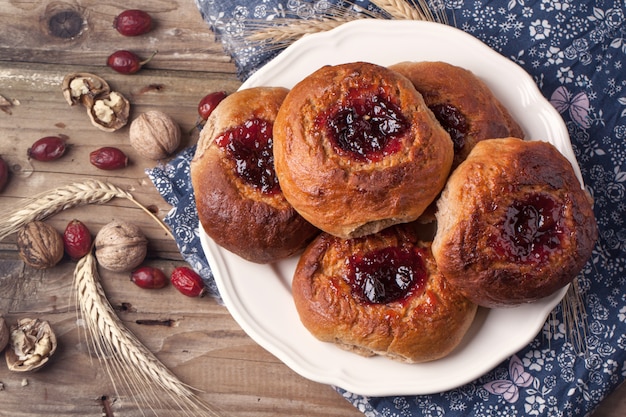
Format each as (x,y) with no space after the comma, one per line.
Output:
(274,325)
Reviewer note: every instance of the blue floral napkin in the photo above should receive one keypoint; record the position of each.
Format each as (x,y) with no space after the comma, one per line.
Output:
(575,52)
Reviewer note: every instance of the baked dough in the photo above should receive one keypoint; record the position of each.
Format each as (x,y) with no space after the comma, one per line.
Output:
(380,295)
(513,223)
(241,209)
(462,103)
(357,150)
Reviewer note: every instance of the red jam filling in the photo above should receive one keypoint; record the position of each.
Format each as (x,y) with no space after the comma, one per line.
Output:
(250,147)
(386,275)
(531,230)
(453,122)
(366,127)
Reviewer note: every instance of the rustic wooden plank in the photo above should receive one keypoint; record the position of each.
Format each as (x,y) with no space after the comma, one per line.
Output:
(183,40)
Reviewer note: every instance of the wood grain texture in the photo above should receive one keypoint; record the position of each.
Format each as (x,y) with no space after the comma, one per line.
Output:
(196,338)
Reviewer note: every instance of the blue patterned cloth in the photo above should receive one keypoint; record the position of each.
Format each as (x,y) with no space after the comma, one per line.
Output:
(575,52)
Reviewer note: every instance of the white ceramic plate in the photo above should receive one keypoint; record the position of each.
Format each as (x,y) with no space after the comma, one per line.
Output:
(259,296)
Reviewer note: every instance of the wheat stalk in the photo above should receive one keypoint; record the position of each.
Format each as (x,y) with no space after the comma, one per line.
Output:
(65,197)
(403,10)
(280,32)
(575,317)
(291,29)
(126,359)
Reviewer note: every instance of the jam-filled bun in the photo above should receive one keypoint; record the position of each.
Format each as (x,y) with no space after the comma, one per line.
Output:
(462,102)
(357,150)
(513,223)
(239,201)
(380,295)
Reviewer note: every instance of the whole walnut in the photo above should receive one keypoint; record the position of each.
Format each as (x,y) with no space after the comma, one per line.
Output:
(4,334)
(154,135)
(39,245)
(120,246)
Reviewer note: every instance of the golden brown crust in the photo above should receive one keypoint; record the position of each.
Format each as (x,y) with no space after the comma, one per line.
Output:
(441,83)
(425,326)
(339,194)
(257,226)
(472,227)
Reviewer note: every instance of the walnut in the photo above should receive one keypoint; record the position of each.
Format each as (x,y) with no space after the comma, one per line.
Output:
(108,110)
(39,245)
(155,135)
(83,88)
(32,343)
(120,246)
(4,334)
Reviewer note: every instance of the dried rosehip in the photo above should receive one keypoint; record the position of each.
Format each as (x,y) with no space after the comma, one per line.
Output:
(4,174)
(108,158)
(76,240)
(209,103)
(133,22)
(48,148)
(188,282)
(126,62)
(148,277)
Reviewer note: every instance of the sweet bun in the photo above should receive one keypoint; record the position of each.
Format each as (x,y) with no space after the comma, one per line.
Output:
(357,150)
(380,295)
(462,103)
(239,201)
(514,228)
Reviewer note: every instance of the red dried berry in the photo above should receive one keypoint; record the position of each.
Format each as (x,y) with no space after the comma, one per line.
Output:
(48,148)
(148,277)
(108,158)
(188,282)
(76,240)
(4,174)
(127,62)
(209,103)
(133,22)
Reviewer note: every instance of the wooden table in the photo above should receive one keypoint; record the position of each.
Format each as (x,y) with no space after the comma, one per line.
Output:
(41,42)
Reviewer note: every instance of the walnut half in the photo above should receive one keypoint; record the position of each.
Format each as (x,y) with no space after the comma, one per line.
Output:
(83,88)
(109,112)
(32,343)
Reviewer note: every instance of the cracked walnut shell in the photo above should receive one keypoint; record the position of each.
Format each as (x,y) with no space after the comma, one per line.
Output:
(108,110)
(120,246)
(83,88)
(32,343)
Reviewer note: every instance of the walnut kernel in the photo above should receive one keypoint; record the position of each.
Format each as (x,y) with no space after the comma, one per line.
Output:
(109,112)
(32,343)
(83,87)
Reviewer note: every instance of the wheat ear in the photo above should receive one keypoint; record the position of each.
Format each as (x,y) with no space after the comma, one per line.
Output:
(403,10)
(291,29)
(125,358)
(72,195)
